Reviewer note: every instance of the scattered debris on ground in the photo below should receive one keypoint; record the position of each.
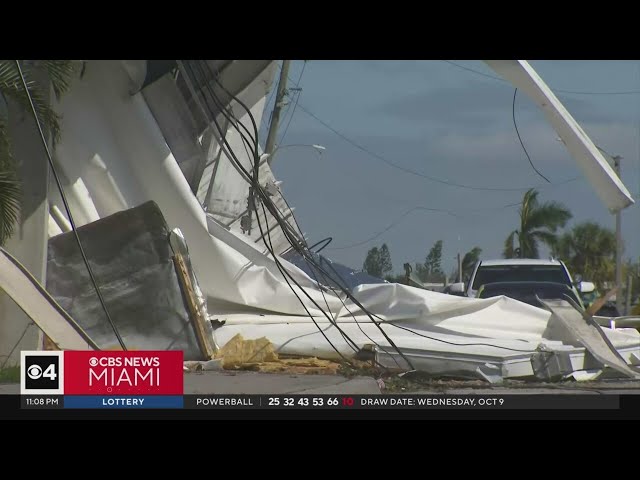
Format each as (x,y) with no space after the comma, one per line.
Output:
(260,356)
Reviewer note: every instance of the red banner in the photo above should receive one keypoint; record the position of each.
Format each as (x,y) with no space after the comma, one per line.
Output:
(123,373)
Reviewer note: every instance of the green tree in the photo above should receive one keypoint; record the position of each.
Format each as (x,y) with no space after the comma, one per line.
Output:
(469,261)
(539,222)
(59,74)
(431,269)
(378,261)
(590,250)
(433,262)
(385,260)
(372,263)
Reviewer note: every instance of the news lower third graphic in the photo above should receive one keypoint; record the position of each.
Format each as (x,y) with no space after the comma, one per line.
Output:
(155,380)
(97,380)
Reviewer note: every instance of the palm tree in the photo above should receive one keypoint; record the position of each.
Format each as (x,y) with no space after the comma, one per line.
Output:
(538,223)
(60,74)
(590,250)
(469,261)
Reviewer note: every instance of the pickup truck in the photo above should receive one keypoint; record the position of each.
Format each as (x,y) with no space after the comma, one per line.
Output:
(519,270)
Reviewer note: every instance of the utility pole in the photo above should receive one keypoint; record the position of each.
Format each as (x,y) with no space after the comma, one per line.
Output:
(246,220)
(619,245)
(627,309)
(275,119)
(459,268)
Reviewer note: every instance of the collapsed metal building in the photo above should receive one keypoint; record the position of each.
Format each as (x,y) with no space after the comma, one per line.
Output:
(160,159)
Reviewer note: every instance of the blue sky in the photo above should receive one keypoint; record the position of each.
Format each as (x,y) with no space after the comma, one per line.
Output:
(436,119)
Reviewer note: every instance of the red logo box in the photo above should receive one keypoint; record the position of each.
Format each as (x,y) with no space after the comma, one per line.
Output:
(123,373)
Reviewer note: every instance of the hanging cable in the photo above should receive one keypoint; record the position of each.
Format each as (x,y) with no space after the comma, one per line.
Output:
(68,210)
(333,320)
(515,124)
(287,230)
(355,319)
(296,244)
(253,179)
(414,172)
(228,114)
(300,247)
(327,240)
(284,275)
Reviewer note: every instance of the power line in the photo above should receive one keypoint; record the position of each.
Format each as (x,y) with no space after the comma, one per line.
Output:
(574,92)
(477,72)
(411,210)
(413,172)
(515,124)
(389,227)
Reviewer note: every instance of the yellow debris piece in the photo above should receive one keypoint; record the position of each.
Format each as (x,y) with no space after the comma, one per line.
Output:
(296,366)
(260,356)
(239,351)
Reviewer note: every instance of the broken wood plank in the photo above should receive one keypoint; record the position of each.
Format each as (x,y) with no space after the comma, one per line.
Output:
(197,318)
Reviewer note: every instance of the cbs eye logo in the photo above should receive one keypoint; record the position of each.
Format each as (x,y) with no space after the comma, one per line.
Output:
(42,372)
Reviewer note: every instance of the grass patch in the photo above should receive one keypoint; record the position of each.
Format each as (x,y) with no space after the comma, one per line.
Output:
(10,374)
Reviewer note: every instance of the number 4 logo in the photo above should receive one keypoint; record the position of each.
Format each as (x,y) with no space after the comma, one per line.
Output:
(42,373)
(50,372)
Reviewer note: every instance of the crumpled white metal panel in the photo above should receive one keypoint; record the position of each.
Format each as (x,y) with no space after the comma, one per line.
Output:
(600,174)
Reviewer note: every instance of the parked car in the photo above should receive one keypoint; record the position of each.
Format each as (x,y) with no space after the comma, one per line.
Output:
(519,270)
(529,292)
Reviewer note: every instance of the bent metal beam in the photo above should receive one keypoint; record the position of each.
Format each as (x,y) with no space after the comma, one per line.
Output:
(600,174)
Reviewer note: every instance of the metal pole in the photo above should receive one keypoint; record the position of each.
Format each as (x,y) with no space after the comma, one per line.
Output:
(619,245)
(459,268)
(275,120)
(627,309)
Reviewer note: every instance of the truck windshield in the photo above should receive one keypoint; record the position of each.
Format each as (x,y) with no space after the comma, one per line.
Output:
(520,273)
